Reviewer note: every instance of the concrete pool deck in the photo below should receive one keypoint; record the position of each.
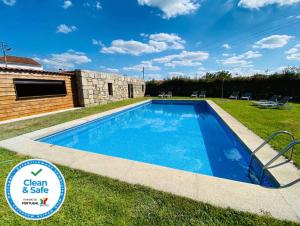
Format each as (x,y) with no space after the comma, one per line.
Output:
(282,203)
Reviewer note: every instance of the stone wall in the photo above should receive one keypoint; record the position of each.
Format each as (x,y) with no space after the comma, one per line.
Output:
(93,87)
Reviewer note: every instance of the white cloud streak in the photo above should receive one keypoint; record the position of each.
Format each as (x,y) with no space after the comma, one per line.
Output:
(226,46)
(256,4)
(144,64)
(273,42)
(185,58)
(65,29)
(157,43)
(9,2)
(66,60)
(293,53)
(242,60)
(173,74)
(172,8)
(67,4)
(98,5)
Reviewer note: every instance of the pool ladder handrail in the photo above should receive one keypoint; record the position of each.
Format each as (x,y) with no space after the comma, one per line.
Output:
(271,137)
(286,149)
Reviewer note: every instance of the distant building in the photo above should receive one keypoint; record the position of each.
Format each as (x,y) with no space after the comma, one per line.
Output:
(20,63)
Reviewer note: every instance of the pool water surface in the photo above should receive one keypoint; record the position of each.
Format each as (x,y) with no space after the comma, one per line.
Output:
(184,135)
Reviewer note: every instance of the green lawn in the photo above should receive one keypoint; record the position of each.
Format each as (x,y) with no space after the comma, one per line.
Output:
(263,122)
(93,199)
(18,128)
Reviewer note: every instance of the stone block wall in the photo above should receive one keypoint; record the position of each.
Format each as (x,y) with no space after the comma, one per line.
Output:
(93,87)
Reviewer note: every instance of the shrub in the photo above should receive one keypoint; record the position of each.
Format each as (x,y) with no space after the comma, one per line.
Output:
(261,86)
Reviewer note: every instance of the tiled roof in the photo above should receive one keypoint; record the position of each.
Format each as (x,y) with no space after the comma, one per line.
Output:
(19,60)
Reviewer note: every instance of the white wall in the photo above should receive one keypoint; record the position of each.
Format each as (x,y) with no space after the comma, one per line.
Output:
(21,66)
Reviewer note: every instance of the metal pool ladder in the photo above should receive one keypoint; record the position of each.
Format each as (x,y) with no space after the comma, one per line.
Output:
(286,149)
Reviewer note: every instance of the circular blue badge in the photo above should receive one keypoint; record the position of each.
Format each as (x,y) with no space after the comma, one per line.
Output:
(35,189)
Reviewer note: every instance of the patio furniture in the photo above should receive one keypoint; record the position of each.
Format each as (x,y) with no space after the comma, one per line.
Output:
(246,96)
(234,95)
(194,94)
(273,99)
(169,94)
(162,95)
(281,103)
(202,94)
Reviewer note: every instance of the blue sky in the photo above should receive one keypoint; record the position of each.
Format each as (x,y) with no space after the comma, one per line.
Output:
(167,37)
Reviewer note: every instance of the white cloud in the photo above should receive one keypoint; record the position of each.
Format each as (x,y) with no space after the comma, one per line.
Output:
(293,53)
(98,5)
(108,69)
(279,69)
(172,40)
(93,4)
(185,58)
(97,43)
(183,63)
(157,43)
(272,42)
(242,60)
(67,4)
(144,35)
(245,71)
(153,76)
(256,4)
(129,47)
(9,2)
(113,70)
(176,74)
(226,46)
(251,54)
(65,60)
(294,17)
(199,43)
(65,29)
(172,8)
(139,67)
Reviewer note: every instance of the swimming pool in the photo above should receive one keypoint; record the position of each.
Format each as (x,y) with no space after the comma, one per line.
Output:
(184,135)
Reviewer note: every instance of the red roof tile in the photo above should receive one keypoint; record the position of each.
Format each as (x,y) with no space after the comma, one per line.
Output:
(19,60)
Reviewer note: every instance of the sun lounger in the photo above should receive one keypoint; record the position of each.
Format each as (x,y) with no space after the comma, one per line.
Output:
(194,94)
(169,94)
(246,96)
(202,94)
(273,99)
(162,95)
(234,95)
(280,103)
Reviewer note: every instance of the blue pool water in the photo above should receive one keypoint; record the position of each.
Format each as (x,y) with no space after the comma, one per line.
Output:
(184,135)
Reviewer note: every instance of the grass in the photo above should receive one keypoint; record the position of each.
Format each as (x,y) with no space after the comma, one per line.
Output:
(96,200)
(93,199)
(263,122)
(22,127)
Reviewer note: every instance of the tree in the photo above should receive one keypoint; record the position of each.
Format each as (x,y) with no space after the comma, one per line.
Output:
(291,70)
(209,76)
(221,75)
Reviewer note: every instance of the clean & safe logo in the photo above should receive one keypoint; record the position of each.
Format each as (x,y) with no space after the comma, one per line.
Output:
(35,189)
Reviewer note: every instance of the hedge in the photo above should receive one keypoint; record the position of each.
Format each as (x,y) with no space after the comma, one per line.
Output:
(261,86)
